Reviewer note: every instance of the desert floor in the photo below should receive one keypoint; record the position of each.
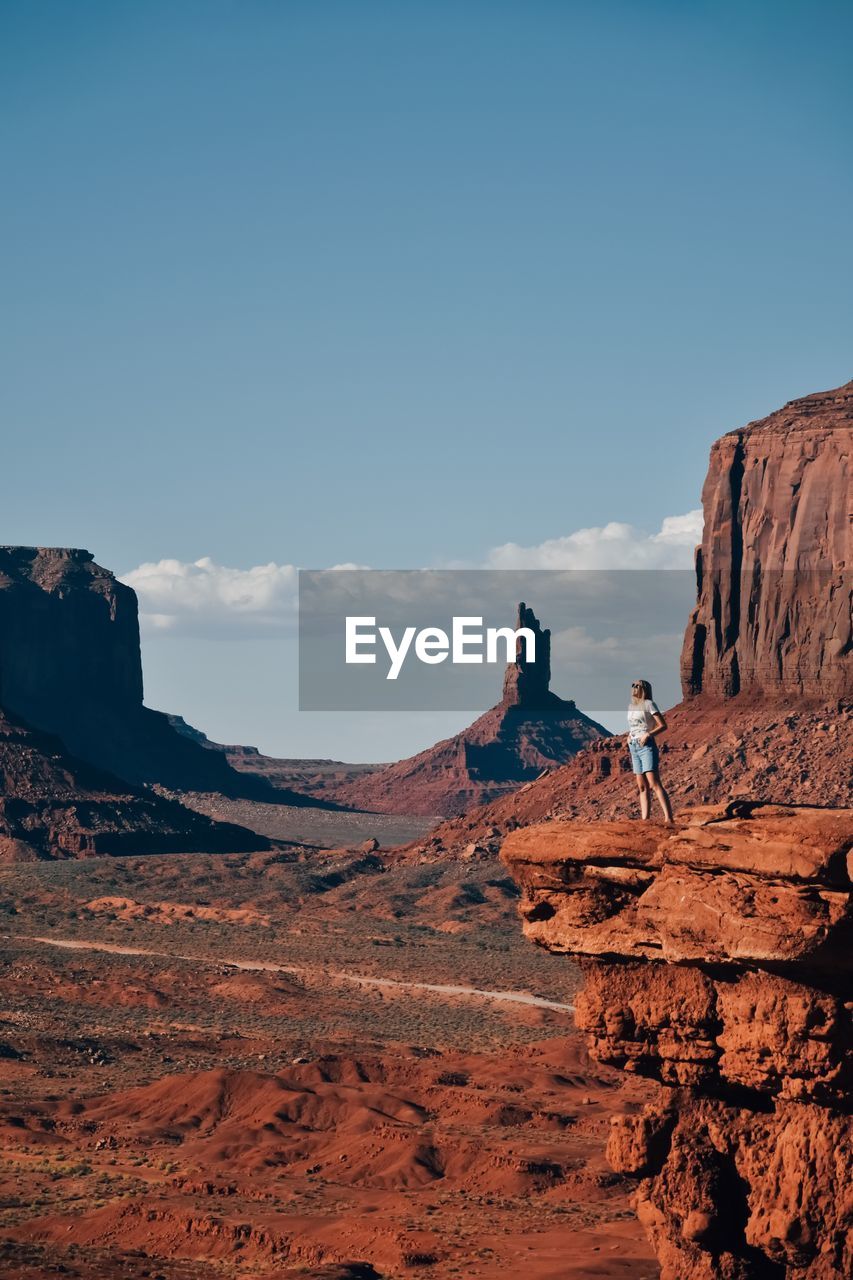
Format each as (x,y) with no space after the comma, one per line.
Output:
(251,1066)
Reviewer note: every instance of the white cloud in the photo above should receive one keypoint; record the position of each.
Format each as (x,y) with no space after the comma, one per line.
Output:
(209,598)
(682,531)
(610,546)
(576,645)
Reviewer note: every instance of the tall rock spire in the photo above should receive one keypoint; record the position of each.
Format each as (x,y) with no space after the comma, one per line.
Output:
(526,682)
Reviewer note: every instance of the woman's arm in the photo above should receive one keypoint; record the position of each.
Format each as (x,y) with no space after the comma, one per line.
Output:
(659,727)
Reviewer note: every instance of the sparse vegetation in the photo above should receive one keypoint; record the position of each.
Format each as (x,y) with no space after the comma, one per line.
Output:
(87,1024)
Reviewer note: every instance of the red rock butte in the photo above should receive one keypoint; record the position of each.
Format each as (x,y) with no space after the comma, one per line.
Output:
(78,749)
(716,954)
(774,569)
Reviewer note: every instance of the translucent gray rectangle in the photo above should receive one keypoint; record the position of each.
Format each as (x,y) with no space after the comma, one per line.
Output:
(606,628)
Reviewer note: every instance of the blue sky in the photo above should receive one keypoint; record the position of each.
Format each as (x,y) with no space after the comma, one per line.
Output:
(313,282)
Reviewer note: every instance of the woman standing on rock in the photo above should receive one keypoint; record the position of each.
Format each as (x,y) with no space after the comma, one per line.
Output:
(645,722)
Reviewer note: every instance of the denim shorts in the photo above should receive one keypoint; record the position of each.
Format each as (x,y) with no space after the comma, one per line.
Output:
(646,758)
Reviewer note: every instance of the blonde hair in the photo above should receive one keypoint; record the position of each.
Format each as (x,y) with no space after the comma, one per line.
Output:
(643,694)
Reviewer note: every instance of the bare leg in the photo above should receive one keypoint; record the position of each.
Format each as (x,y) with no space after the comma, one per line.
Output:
(662,797)
(643,788)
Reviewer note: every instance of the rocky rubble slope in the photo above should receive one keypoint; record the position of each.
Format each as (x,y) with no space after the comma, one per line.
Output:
(54,806)
(717,961)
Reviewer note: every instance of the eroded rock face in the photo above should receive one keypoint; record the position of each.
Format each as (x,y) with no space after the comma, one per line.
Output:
(739,1193)
(754,885)
(717,960)
(775,569)
(68,629)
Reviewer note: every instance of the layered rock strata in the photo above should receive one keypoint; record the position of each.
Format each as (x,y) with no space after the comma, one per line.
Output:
(717,960)
(775,568)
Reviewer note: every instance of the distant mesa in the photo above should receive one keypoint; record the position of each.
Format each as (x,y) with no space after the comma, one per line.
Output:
(314,779)
(78,750)
(70,664)
(85,768)
(530,730)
